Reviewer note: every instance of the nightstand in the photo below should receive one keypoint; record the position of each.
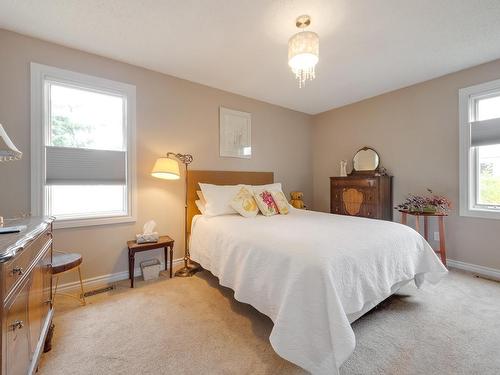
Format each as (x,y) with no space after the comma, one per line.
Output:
(164,242)
(440,217)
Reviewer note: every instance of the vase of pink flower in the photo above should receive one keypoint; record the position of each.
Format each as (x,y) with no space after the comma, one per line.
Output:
(428,204)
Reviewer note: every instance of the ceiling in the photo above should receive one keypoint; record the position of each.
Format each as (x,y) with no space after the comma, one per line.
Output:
(367,47)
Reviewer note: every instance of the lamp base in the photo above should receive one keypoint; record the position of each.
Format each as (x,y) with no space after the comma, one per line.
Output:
(187,271)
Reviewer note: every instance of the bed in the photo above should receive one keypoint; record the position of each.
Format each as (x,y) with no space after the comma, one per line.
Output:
(312,273)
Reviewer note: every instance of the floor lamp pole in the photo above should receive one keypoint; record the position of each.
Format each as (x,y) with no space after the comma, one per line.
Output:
(188,269)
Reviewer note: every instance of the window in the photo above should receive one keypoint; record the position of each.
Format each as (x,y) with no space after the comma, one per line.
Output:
(480,150)
(82,148)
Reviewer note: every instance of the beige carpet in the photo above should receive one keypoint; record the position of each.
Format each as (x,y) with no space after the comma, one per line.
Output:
(194,326)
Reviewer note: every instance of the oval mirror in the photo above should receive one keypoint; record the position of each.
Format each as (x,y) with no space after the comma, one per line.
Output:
(366,159)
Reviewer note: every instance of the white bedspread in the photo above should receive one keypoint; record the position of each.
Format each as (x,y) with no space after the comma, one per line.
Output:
(310,271)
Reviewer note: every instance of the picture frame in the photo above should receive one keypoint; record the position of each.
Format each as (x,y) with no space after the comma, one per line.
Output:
(235,133)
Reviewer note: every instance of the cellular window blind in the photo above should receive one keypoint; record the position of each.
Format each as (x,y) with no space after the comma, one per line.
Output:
(485,133)
(80,166)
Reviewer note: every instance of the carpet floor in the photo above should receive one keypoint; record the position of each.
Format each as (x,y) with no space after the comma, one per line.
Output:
(194,326)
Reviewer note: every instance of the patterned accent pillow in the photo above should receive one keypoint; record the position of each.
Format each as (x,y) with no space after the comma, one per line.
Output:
(244,203)
(281,202)
(266,203)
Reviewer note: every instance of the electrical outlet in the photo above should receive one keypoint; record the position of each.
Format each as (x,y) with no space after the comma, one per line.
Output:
(436,236)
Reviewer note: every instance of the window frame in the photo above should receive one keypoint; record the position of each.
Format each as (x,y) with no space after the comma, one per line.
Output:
(469,159)
(39,75)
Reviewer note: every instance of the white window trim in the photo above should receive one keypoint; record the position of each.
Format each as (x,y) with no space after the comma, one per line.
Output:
(40,73)
(467,155)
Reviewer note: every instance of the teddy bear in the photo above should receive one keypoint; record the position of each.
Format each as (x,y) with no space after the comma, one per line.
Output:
(296,200)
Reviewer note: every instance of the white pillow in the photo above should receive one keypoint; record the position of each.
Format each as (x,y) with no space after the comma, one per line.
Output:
(218,198)
(269,187)
(201,197)
(200,206)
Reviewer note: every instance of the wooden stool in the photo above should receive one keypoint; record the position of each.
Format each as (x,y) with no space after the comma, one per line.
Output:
(64,262)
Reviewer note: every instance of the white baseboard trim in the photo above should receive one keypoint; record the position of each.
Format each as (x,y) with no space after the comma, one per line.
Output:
(104,280)
(481,270)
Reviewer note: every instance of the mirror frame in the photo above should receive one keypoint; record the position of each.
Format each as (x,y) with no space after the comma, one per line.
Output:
(371,171)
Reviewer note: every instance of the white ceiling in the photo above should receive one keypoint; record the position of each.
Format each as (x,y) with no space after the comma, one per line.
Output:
(367,47)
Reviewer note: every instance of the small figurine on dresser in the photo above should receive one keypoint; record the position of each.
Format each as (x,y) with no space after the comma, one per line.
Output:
(343,168)
(297,201)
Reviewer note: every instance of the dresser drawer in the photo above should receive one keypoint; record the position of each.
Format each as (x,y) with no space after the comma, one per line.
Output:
(336,208)
(15,269)
(17,346)
(336,194)
(370,195)
(354,182)
(370,211)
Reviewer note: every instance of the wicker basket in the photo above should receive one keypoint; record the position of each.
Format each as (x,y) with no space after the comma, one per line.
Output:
(150,269)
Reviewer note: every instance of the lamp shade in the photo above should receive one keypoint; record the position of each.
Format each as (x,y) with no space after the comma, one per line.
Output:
(303,52)
(166,168)
(7,149)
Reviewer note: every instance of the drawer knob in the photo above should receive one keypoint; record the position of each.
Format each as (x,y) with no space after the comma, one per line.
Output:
(17,324)
(17,271)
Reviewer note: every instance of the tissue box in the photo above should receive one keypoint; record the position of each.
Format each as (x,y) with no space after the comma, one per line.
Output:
(150,269)
(145,238)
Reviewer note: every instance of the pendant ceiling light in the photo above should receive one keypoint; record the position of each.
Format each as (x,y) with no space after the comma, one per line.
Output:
(303,51)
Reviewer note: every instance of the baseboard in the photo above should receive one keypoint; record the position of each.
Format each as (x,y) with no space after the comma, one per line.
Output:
(481,270)
(104,280)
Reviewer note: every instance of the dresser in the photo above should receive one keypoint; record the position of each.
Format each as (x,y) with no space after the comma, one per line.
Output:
(359,194)
(26,292)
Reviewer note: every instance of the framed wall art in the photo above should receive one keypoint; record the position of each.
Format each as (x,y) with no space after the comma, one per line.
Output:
(235,139)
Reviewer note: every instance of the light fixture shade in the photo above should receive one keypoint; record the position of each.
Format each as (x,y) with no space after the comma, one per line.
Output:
(7,149)
(166,168)
(303,55)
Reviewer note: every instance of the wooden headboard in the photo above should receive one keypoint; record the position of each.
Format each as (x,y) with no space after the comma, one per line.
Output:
(219,178)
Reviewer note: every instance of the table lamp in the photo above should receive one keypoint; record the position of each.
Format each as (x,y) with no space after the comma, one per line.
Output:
(7,149)
(7,152)
(167,168)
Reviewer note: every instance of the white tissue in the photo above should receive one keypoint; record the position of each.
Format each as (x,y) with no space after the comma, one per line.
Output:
(148,235)
(149,227)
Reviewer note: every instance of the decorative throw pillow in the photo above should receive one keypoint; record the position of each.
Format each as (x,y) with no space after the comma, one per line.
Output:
(280,200)
(266,203)
(244,203)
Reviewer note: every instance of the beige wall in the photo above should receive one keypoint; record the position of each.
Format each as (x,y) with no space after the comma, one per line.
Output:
(415,131)
(172,115)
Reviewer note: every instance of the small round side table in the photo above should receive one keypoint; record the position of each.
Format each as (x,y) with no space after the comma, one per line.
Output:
(440,217)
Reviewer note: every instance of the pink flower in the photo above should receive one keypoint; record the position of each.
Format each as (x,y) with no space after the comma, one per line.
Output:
(267,198)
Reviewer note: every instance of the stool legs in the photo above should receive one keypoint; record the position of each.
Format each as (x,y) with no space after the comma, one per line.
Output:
(55,291)
(82,295)
(81,287)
